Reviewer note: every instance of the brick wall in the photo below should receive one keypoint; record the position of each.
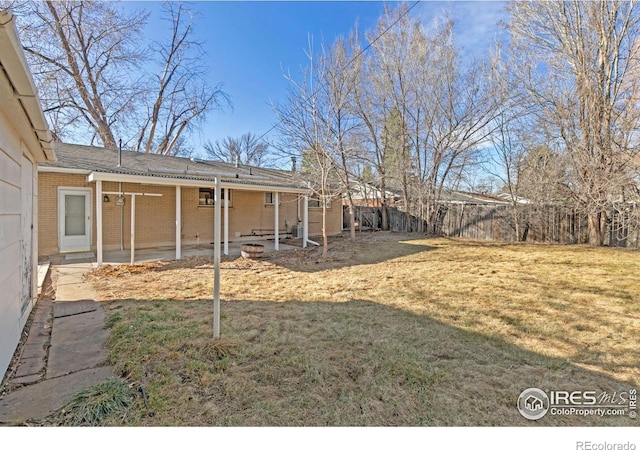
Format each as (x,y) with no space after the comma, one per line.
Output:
(155,216)
(48,207)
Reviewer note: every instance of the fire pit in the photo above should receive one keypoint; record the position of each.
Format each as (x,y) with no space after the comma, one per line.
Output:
(252,251)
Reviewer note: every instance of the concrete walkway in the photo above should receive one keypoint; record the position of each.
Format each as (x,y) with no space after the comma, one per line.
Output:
(64,352)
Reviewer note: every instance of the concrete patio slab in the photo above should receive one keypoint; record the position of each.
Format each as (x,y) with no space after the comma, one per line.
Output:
(64,309)
(77,343)
(43,270)
(70,284)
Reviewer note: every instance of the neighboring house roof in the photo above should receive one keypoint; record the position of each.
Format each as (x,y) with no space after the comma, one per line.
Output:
(507,197)
(470,198)
(102,164)
(18,98)
(361,190)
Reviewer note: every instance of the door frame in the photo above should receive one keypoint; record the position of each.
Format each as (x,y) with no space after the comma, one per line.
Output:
(88,193)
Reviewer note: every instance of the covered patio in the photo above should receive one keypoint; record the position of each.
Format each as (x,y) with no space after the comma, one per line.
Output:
(220,186)
(167,253)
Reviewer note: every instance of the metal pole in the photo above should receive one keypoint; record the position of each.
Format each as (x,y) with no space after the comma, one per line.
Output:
(120,153)
(178,222)
(305,221)
(216,261)
(226,222)
(99,221)
(277,221)
(121,218)
(133,228)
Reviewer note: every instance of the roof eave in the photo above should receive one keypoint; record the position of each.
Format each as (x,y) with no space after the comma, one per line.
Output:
(204,182)
(34,130)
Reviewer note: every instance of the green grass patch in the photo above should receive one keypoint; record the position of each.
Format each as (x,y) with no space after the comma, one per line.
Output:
(96,405)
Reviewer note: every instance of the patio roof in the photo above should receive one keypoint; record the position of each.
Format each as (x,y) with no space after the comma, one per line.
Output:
(136,167)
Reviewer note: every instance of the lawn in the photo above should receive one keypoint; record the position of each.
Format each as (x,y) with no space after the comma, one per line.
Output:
(390,331)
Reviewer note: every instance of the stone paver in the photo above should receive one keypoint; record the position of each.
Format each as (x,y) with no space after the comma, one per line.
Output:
(37,401)
(64,351)
(77,343)
(64,309)
(30,366)
(27,379)
(31,351)
(70,285)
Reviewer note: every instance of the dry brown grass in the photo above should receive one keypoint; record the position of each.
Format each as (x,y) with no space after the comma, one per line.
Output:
(385,332)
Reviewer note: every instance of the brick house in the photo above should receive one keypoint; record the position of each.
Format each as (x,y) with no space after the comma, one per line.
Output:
(88,195)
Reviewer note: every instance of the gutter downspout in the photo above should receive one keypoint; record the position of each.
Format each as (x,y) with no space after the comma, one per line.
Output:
(121,220)
(216,259)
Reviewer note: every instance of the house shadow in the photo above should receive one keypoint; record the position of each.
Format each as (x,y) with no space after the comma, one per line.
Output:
(346,253)
(353,363)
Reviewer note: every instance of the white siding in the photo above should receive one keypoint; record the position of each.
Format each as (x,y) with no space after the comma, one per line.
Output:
(26,290)
(16,241)
(24,141)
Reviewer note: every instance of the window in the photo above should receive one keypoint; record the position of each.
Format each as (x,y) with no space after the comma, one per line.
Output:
(268,198)
(315,202)
(206,196)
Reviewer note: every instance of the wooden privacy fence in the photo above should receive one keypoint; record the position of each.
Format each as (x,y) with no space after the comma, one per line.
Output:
(370,218)
(556,224)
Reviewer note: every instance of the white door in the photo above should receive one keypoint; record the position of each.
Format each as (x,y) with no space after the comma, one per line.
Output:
(74,220)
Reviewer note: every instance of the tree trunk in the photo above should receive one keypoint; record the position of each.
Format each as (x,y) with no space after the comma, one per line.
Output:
(325,242)
(597,228)
(352,216)
(526,232)
(385,216)
(352,221)
(516,221)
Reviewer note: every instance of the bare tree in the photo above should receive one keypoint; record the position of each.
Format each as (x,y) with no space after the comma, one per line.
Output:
(81,54)
(425,111)
(302,124)
(392,58)
(458,110)
(370,108)
(579,67)
(95,75)
(336,81)
(179,92)
(247,149)
(507,164)
(366,107)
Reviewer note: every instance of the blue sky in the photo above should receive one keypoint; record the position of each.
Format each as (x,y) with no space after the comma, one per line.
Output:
(250,45)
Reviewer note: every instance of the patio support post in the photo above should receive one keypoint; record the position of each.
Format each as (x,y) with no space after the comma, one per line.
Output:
(216,261)
(276,243)
(178,222)
(99,201)
(133,228)
(305,221)
(226,222)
